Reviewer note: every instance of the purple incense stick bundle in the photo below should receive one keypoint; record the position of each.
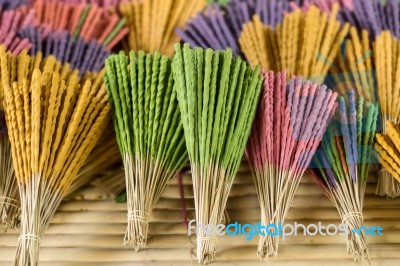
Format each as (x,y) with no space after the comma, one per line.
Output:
(220,29)
(82,55)
(290,122)
(12,4)
(375,16)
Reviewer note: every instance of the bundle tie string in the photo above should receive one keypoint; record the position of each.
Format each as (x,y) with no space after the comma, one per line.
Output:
(30,237)
(10,201)
(136,216)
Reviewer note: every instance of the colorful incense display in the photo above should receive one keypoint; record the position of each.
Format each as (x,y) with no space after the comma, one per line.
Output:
(152,23)
(218,96)
(53,124)
(341,166)
(303,44)
(149,132)
(291,120)
(388,149)
(387,59)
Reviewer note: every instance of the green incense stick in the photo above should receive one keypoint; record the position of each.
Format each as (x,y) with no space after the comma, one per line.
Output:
(218,96)
(149,132)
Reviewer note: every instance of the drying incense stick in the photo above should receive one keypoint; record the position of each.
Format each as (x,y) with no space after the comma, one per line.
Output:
(387,61)
(343,165)
(388,149)
(149,132)
(288,128)
(218,96)
(53,124)
(10,23)
(89,22)
(374,16)
(152,23)
(220,29)
(354,67)
(303,44)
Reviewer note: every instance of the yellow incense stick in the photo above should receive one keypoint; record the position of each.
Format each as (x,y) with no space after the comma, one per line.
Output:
(305,43)
(152,23)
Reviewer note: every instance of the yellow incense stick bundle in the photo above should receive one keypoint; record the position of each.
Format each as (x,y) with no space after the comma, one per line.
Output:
(387,64)
(53,124)
(353,68)
(305,43)
(152,23)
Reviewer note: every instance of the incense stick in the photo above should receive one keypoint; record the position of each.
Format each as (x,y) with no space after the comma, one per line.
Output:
(152,23)
(290,122)
(53,124)
(218,96)
(387,70)
(343,165)
(303,44)
(149,132)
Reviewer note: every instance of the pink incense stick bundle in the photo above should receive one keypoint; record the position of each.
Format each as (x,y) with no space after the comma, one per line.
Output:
(10,22)
(88,21)
(289,125)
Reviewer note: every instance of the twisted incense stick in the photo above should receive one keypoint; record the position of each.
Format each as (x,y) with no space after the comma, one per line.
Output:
(290,122)
(152,23)
(53,124)
(303,44)
(218,96)
(387,59)
(149,132)
(387,147)
(343,164)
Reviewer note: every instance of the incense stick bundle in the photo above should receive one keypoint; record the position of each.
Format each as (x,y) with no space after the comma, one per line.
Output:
(10,23)
(387,66)
(105,156)
(374,16)
(149,132)
(343,164)
(289,125)
(303,44)
(324,5)
(83,41)
(388,149)
(354,67)
(218,96)
(12,4)
(152,24)
(220,29)
(53,124)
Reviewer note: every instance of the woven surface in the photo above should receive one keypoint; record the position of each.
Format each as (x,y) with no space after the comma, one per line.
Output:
(88,230)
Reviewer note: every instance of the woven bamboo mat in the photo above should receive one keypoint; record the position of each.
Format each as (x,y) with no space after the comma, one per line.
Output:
(88,230)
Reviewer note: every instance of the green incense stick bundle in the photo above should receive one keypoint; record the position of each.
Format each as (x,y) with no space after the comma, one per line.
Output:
(218,96)
(149,132)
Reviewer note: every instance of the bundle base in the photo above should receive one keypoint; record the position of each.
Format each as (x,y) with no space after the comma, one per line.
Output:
(268,247)
(356,242)
(136,232)
(206,248)
(387,185)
